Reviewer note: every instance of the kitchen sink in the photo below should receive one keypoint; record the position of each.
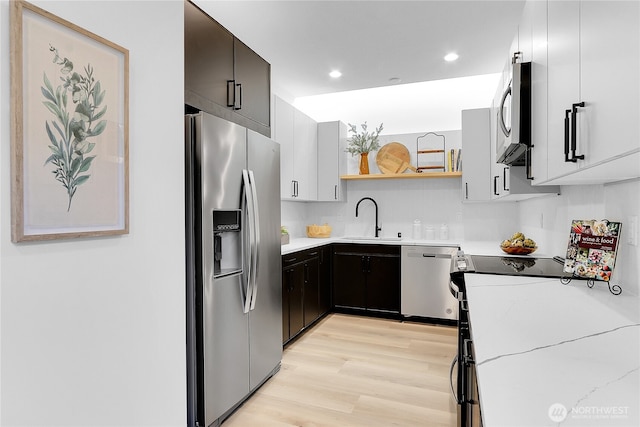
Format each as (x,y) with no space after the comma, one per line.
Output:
(373,239)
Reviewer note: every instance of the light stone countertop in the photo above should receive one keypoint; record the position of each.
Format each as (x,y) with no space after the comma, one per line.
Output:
(469,246)
(540,344)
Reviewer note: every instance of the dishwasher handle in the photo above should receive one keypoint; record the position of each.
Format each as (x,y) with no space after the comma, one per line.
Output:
(429,255)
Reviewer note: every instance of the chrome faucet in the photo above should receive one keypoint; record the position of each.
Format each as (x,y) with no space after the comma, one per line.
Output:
(378,229)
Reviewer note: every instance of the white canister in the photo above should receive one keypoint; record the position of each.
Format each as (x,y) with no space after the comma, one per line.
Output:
(430,232)
(444,232)
(417,229)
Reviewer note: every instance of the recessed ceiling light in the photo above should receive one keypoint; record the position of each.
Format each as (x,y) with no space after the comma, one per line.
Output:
(451,57)
(335,74)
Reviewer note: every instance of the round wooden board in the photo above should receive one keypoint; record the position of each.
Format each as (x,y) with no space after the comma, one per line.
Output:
(393,158)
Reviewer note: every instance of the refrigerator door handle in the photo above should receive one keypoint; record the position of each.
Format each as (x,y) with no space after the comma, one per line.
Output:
(256,238)
(248,255)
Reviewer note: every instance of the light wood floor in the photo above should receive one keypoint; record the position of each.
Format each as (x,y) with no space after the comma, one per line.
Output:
(359,371)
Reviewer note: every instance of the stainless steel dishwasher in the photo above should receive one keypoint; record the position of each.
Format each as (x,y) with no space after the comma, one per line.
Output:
(424,282)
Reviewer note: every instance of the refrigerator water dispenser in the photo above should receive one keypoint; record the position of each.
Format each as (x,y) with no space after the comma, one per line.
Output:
(227,242)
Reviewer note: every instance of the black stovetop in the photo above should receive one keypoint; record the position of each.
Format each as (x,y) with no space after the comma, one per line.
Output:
(518,266)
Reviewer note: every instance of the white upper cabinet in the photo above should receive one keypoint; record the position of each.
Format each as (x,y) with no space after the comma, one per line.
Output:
(476,159)
(525,33)
(538,17)
(332,161)
(592,86)
(563,79)
(498,170)
(305,165)
(297,135)
(283,134)
(610,76)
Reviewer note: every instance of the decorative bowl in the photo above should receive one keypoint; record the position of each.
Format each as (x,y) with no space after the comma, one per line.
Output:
(518,250)
(319,231)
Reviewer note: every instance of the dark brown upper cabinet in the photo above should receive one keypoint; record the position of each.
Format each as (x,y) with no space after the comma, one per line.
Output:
(222,75)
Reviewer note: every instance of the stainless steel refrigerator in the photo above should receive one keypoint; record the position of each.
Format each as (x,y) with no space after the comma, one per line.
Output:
(234,291)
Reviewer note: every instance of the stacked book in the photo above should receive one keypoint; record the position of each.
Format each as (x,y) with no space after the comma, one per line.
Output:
(454,160)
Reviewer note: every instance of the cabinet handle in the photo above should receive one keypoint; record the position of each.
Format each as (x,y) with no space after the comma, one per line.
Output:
(231,93)
(495,185)
(293,188)
(574,112)
(296,188)
(290,260)
(503,125)
(313,253)
(566,136)
(504,178)
(527,163)
(335,192)
(466,191)
(237,101)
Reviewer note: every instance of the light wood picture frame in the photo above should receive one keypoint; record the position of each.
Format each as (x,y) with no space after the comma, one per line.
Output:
(69,129)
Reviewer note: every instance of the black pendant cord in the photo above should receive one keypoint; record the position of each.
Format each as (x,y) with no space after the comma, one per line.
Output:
(614,289)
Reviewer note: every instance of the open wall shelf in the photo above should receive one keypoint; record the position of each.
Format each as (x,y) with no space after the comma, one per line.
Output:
(405,175)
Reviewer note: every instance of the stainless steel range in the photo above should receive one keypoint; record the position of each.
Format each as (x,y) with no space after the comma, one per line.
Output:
(465,392)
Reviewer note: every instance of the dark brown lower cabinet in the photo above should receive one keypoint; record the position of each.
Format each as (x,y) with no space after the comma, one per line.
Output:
(292,293)
(304,296)
(324,259)
(366,278)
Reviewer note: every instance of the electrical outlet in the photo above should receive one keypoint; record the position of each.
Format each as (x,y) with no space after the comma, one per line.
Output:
(632,234)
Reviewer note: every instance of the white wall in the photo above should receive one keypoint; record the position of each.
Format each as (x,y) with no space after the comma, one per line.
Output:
(93,330)
(549,220)
(401,201)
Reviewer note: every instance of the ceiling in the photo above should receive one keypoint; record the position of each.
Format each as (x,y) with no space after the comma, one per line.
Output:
(370,42)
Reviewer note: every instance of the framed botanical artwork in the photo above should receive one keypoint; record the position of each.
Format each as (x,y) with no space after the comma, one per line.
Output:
(69,129)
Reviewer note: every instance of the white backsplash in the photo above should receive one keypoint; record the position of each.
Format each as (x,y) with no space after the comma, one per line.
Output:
(434,202)
(548,221)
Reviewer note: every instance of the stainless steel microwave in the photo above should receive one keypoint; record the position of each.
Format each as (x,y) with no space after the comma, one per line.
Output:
(514,117)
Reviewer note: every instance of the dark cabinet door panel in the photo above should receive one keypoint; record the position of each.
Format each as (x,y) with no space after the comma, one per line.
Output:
(324,298)
(348,280)
(311,291)
(208,56)
(253,74)
(296,312)
(383,283)
(286,285)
